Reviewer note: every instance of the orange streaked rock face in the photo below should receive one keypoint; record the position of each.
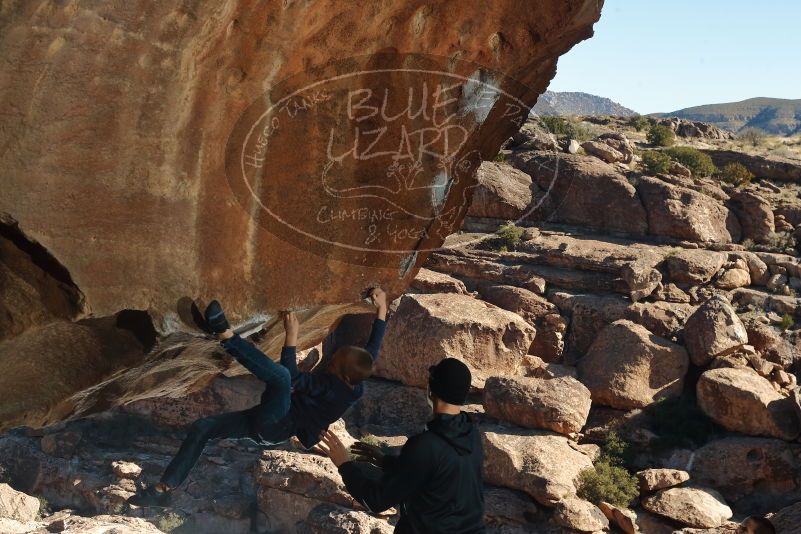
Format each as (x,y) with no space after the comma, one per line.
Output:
(119,118)
(270,154)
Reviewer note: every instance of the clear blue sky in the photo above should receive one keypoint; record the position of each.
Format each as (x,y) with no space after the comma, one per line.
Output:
(656,55)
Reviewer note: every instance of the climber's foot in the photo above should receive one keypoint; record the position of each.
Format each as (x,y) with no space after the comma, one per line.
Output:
(151,496)
(215,318)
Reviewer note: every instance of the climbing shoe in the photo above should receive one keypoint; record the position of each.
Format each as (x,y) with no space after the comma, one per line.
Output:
(215,318)
(150,496)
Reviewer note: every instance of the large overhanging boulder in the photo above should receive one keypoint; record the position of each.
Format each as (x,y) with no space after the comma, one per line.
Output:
(271,154)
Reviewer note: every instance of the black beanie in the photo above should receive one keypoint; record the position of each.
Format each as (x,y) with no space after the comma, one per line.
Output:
(450,381)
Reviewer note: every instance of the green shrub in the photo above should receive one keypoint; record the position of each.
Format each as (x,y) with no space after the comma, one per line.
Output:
(659,135)
(580,132)
(615,450)
(608,483)
(752,136)
(569,128)
(555,125)
(609,480)
(736,174)
(787,322)
(510,235)
(638,122)
(500,157)
(699,163)
(655,162)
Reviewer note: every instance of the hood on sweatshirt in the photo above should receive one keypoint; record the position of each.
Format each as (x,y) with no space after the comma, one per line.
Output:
(457,430)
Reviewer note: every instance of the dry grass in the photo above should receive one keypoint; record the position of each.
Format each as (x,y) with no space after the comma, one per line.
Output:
(785,147)
(771,145)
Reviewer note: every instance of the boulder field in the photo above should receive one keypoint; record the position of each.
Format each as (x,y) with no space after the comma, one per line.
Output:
(634,335)
(596,353)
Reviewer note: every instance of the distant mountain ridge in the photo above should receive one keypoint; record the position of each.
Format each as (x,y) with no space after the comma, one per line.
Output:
(575,103)
(777,116)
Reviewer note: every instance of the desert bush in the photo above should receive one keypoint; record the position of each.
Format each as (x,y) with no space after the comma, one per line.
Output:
(580,132)
(555,125)
(659,135)
(780,240)
(500,157)
(736,174)
(699,163)
(752,136)
(569,128)
(510,235)
(609,480)
(616,450)
(608,483)
(638,122)
(781,151)
(655,162)
(787,322)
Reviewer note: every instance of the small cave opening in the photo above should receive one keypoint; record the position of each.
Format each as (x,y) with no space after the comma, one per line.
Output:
(140,324)
(35,286)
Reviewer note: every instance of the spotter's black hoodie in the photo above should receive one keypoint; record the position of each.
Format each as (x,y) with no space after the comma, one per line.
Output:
(436,480)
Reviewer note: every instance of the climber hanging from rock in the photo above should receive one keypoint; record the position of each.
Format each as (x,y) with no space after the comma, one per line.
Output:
(294,403)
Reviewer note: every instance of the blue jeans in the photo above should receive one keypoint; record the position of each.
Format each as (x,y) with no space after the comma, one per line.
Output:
(268,421)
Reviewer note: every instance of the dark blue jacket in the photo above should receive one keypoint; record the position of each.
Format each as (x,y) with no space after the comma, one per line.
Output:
(319,399)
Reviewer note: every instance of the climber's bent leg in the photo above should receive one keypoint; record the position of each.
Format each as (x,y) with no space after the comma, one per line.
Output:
(271,373)
(227,425)
(273,420)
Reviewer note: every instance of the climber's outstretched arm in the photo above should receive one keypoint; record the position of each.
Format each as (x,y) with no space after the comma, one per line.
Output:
(301,382)
(379,300)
